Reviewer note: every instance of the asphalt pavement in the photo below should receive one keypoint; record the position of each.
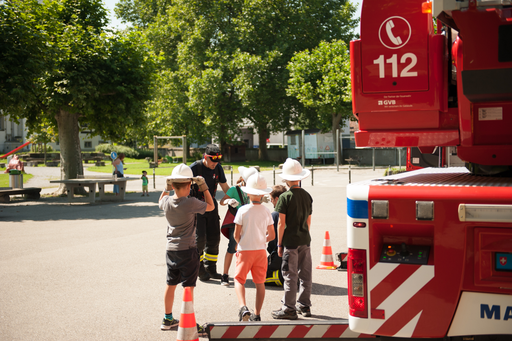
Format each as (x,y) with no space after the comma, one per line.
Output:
(82,271)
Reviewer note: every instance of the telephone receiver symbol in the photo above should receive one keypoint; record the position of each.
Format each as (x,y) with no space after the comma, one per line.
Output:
(395,40)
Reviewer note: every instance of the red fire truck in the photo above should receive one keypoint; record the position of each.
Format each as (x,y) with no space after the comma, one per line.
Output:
(430,251)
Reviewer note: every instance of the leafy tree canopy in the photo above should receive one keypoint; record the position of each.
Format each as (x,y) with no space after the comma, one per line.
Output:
(81,72)
(320,79)
(224,62)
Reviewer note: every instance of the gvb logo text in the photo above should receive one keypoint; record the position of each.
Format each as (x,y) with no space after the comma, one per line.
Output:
(494,312)
(387,102)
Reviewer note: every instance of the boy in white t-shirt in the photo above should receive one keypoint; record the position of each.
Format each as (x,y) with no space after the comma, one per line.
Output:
(254,227)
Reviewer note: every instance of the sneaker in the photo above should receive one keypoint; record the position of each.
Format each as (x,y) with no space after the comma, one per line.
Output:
(305,311)
(168,324)
(244,314)
(285,314)
(224,280)
(255,317)
(201,331)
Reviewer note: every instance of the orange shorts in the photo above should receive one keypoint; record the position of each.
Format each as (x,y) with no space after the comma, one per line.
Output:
(254,261)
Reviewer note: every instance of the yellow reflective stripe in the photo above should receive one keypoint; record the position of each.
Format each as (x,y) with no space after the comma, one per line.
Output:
(201,258)
(276,275)
(274,278)
(212,258)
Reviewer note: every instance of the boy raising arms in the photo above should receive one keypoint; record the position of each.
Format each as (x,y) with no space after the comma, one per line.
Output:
(254,227)
(182,256)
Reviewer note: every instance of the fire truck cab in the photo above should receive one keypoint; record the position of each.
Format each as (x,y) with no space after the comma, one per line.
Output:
(430,251)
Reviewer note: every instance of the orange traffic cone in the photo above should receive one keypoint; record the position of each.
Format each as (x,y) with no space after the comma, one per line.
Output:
(327,262)
(187,329)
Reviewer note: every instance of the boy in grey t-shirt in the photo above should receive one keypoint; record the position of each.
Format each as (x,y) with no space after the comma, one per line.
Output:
(180,213)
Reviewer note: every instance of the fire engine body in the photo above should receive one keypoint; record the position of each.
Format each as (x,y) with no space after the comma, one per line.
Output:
(430,251)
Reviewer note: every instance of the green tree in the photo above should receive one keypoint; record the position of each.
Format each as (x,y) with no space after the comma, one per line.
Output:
(320,79)
(24,55)
(91,75)
(230,57)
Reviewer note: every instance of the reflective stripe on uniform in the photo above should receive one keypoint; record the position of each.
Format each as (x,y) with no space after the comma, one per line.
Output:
(210,258)
(274,278)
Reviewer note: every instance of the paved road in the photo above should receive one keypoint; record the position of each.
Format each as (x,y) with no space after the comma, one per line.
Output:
(97,271)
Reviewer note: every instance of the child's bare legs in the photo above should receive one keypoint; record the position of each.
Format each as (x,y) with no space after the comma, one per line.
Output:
(240,293)
(169,298)
(227,262)
(260,296)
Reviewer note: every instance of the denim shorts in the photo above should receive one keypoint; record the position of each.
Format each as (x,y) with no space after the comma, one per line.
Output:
(182,267)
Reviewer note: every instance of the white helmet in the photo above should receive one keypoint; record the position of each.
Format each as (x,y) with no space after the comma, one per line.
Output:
(257,185)
(292,171)
(180,173)
(245,172)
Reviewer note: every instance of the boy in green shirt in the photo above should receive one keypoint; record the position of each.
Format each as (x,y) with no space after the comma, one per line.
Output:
(295,207)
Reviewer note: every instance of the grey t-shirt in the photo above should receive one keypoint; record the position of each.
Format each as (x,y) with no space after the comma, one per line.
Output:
(181,221)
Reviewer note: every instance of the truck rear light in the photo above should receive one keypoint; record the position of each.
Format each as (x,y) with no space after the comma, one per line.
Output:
(359,224)
(357,296)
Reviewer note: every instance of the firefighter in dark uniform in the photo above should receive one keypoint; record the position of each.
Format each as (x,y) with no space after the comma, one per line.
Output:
(208,224)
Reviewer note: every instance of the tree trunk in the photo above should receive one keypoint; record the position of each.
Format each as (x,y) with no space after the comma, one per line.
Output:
(70,151)
(336,120)
(262,141)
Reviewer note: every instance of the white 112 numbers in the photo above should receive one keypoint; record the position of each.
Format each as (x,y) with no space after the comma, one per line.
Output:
(406,71)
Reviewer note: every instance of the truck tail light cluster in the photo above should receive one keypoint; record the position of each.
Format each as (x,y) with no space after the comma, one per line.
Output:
(357,297)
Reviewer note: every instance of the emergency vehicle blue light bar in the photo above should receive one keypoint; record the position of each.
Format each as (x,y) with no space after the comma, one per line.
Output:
(357,209)
(503,261)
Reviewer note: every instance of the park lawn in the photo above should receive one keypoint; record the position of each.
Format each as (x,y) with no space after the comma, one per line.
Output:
(4,178)
(134,167)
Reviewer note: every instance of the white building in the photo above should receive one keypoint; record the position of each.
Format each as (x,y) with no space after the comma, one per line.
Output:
(13,134)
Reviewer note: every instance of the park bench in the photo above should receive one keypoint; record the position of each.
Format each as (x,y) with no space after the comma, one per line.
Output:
(97,158)
(91,182)
(31,193)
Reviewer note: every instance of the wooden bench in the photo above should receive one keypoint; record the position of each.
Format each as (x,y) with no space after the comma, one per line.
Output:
(31,193)
(92,182)
(94,157)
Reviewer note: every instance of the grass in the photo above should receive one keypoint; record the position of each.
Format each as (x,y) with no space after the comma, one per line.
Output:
(136,166)
(393,171)
(4,178)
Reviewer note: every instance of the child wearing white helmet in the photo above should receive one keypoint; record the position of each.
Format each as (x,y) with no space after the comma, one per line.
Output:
(182,255)
(235,198)
(295,207)
(254,227)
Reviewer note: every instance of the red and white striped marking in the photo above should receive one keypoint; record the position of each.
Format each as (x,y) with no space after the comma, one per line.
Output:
(288,331)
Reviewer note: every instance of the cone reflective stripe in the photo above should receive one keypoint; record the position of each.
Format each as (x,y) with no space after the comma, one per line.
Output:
(187,329)
(326,261)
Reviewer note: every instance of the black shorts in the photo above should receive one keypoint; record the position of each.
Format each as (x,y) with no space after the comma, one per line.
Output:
(182,267)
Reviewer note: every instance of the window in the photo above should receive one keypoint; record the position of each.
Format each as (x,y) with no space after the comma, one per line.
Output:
(87,144)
